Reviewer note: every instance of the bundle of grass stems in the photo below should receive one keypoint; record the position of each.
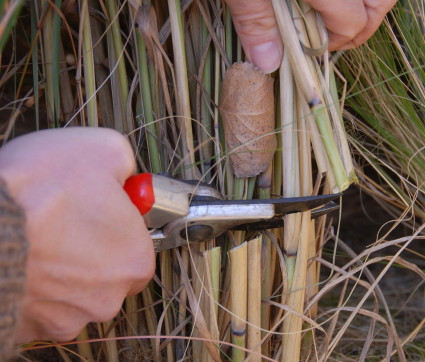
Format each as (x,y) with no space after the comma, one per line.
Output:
(153,71)
(385,105)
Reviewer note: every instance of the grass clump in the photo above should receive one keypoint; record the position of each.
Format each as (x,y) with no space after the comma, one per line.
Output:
(154,72)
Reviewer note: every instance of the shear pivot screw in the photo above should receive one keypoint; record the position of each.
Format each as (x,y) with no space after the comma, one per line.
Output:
(197,232)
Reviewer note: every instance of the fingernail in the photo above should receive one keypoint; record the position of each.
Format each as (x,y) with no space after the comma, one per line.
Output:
(267,56)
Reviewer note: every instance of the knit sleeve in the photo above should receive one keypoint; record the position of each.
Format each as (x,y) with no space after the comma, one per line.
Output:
(13,253)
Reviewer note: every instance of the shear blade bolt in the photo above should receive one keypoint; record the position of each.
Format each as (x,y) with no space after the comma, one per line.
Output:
(197,232)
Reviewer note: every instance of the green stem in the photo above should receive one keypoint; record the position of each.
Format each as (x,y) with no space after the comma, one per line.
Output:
(290,268)
(264,193)
(251,187)
(12,14)
(90,83)
(182,91)
(206,129)
(238,188)
(228,30)
(48,60)
(151,134)
(325,129)
(119,51)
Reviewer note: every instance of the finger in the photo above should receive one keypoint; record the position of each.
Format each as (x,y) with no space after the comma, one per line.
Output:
(376,12)
(344,19)
(256,26)
(104,147)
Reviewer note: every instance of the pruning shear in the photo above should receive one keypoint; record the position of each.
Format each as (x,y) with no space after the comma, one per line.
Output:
(178,212)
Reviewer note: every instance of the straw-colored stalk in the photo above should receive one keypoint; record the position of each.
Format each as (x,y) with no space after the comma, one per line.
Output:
(107,330)
(267,272)
(292,325)
(182,87)
(184,111)
(310,90)
(84,349)
(238,295)
(254,298)
(290,161)
(150,316)
(199,319)
(212,259)
(199,288)
(167,280)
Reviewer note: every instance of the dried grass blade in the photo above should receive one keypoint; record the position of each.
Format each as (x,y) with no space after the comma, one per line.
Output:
(199,319)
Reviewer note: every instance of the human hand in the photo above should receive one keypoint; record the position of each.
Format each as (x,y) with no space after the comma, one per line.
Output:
(349,22)
(89,247)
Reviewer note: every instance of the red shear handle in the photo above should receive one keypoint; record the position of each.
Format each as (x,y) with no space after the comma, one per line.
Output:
(140,190)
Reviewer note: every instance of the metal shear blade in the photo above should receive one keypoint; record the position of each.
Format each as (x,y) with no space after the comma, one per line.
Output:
(208,219)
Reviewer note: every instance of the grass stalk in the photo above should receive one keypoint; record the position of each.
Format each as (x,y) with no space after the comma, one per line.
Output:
(289,137)
(215,264)
(228,188)
(266,291)
(151,136)
(34,53)
(56,26)
(254,298)
(167,280)
(66,107)
(290,162)
(8,20)
(212,260)
(307,85)
(89,75)
(206,122)
(228,32)
(84,349)
(182,87)
(118,50)
(107,330)
(150,316)
(117,99)
(239,293)
(292,325)
(104,96)
(48,59)
(199,288)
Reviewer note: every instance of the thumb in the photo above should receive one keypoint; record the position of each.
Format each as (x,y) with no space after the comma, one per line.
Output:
(256,26)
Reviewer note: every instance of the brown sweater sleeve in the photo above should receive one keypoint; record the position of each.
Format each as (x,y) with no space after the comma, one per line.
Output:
(13,253)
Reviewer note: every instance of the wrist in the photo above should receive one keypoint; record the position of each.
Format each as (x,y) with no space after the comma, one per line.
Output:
(13,255)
